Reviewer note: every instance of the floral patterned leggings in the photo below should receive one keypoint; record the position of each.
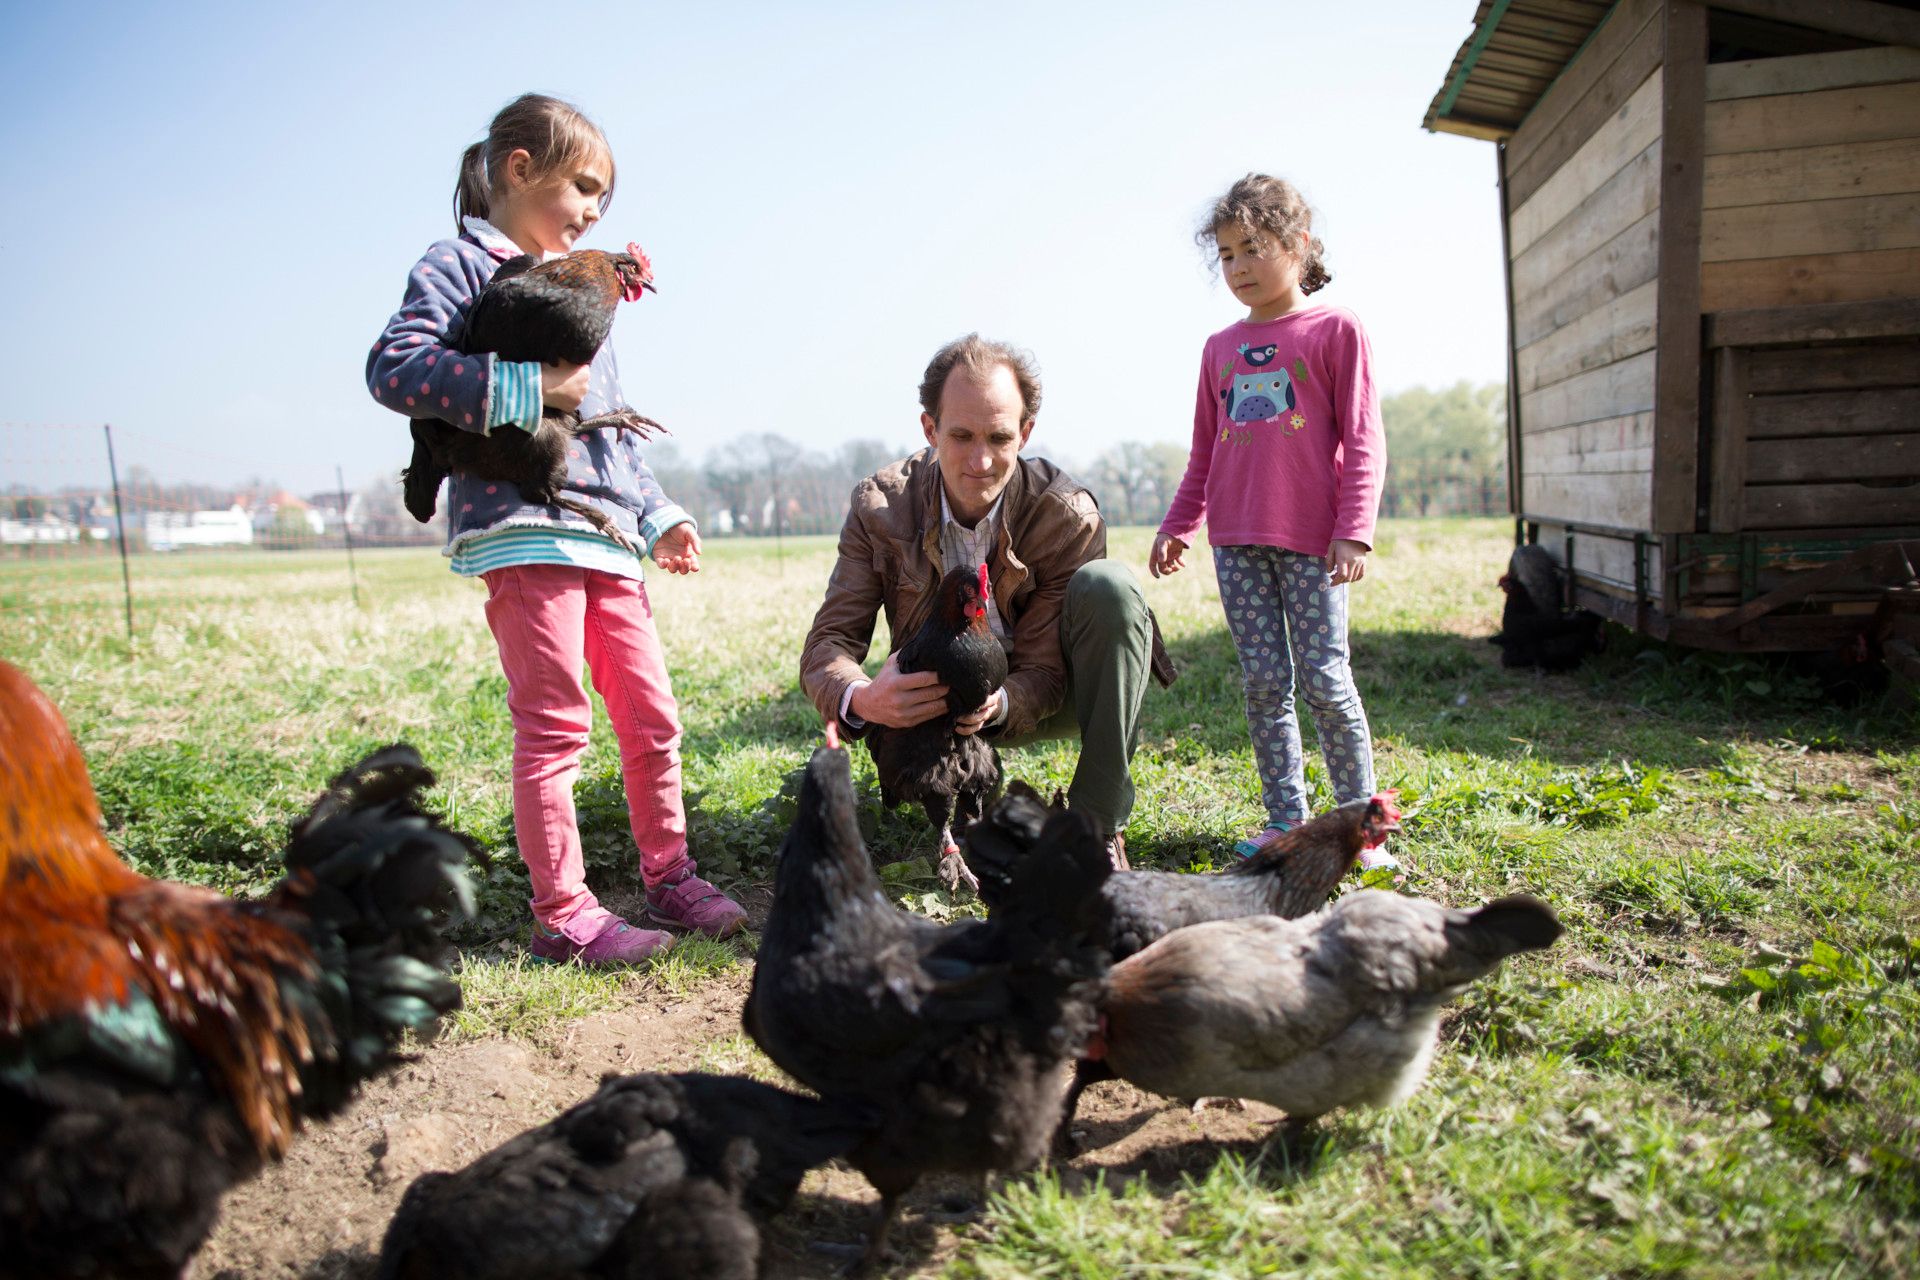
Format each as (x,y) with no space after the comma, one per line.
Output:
(1284,614)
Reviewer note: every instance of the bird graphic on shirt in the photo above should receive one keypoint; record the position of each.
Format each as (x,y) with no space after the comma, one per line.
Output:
(1259,356)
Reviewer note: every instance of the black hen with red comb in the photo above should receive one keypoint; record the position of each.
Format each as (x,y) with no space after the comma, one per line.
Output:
(556,311)
(951,775)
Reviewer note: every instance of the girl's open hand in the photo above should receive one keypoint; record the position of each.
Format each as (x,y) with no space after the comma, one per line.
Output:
(1346,561)
(1165,558)
(678,549)
(563,386)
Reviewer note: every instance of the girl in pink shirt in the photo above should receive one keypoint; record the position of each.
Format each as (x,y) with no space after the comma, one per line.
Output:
(1287,463)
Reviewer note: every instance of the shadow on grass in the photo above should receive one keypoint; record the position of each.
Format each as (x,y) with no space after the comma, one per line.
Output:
(1275,1162)
(843,1224)
(1662,705)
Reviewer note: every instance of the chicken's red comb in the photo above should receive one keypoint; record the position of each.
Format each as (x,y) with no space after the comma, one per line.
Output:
(646,271)
(833,736)
(983,584)
(1390,801)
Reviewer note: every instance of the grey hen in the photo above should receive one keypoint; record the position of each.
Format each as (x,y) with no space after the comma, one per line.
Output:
(1338,1009)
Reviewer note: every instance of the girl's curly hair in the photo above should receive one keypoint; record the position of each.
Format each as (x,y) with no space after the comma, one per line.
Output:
(1273,207)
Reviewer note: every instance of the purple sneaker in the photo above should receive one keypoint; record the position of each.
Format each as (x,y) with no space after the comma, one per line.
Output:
(693,903)
(620,943)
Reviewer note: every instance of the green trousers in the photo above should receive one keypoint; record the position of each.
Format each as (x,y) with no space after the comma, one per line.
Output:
(1106,635)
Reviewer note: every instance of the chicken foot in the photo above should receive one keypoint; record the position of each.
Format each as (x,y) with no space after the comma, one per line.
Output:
(883,1226)
(1087,1071)
(620,420)
(600,522)
(954,871)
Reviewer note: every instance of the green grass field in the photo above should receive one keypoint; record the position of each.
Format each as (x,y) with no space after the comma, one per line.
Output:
(1713,1074)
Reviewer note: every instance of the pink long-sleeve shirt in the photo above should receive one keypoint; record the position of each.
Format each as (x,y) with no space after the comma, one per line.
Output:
(1288,450)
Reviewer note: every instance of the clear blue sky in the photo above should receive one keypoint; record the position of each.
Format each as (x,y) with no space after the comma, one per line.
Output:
(209,210)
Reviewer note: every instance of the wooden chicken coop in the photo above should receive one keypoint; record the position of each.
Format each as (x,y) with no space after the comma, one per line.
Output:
(1711,218)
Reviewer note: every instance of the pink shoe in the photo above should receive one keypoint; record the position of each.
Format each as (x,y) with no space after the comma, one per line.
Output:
(693,903)
(620,943)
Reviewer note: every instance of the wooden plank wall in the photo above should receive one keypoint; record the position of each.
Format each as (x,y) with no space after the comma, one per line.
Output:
(1583,194)
(1812,196)
(1812,190)
(1823,435)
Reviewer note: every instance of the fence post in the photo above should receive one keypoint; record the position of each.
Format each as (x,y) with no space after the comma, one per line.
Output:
(120,524)
(346,528)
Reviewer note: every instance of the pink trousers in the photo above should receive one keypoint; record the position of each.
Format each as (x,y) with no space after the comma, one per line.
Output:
(545,618)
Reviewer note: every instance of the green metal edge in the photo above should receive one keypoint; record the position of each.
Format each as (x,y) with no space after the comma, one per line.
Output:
(1484,36)
(1474,50)
(1605,18)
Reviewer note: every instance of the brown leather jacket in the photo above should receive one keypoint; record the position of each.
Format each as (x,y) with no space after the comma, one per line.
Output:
(890,558)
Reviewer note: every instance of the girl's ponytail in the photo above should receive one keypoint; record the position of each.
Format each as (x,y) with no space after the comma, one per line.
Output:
(1314,275)
(470,195)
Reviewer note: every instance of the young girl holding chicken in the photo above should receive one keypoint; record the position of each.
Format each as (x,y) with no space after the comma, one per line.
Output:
(558,591)
(1287,465)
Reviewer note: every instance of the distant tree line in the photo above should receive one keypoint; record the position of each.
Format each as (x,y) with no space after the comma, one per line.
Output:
(1446,448)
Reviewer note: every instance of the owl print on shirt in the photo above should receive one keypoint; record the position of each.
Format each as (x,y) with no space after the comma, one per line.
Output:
(1261,394)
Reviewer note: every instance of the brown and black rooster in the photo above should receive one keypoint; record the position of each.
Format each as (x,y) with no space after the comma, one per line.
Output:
(560,310)
(959,1036)
(654,1175)
(158,1041)
(952,775)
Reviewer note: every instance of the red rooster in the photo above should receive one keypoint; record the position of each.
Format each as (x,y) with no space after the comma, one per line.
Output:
(560,310)
(951,774)
(159,1041)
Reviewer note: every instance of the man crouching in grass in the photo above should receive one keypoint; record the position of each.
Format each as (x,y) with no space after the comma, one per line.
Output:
(1079,637)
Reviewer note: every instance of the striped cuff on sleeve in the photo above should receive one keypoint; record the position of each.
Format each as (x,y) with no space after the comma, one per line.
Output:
(662,519)
(514,394)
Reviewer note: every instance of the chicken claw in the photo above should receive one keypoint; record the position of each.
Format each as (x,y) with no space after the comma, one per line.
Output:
(622,420)
(954,871)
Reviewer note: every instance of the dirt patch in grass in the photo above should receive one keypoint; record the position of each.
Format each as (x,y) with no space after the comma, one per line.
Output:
(321,1213)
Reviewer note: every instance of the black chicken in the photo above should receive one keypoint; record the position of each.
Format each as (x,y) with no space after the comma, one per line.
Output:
(560,310)
(1536,627)
(960,1036)
(1291,876)
(654,1175)
(951,774)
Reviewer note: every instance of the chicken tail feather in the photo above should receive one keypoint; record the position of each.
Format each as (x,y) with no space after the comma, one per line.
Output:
(377,881)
